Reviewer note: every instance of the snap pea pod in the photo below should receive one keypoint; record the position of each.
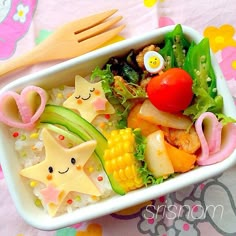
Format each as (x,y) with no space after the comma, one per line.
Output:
(176,47)
(198,64)
(168,54)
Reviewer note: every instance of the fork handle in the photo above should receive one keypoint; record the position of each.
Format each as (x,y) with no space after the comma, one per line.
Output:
(22,61)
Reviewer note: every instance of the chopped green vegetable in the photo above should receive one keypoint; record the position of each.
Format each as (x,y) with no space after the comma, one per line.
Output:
(120,66)
(106,77)
(175,49)
(123,114)
(198,65)
(129,91)
(129,74)
(168,54)
(118,90)
(140,144)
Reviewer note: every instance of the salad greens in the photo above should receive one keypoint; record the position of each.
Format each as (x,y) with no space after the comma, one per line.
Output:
(118,91)
(107,79)
(122,90)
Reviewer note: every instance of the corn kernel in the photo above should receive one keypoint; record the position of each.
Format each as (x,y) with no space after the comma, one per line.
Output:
(139,182)
(120,162)
(108,167)
(114,164)
(122,174)
(94,198)
(60,95)
(114,133)
(91,169)
(129,173)
(128,147)
(116,175)
(107,154)
(33,184)
(112,152)
(34,135)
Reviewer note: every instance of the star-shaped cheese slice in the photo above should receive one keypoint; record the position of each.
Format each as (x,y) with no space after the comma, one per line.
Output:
(62,168)
(87,98)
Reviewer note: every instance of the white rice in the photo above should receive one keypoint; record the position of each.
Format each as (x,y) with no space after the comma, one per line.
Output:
(30,149)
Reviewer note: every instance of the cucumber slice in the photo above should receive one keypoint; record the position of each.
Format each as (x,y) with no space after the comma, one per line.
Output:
(73,122)
(74,138)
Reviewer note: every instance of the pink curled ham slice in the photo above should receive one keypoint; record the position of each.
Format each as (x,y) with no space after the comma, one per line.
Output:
(24,109)
(217,141)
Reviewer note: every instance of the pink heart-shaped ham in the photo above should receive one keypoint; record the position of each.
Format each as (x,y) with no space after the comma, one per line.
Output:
(24,109)
(217,141)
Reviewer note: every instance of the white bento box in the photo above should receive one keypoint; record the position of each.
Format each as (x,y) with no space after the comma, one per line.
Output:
(65,73)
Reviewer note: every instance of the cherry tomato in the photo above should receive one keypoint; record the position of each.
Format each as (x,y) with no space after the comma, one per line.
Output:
(171,91)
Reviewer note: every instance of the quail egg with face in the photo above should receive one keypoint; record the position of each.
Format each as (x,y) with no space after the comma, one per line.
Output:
(153,62)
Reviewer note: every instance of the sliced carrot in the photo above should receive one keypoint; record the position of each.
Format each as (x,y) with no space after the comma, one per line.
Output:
(135,121)
(181,160)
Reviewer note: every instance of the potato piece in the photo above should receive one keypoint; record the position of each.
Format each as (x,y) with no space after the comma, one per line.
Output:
(151,114)
(134,121)
(156,155)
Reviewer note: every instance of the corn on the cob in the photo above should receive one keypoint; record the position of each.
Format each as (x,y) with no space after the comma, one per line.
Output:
(120,161)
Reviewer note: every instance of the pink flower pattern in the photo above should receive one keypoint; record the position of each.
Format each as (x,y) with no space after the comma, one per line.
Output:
(11,30)
(228,63)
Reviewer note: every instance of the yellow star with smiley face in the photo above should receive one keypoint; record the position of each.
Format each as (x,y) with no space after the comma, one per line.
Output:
(62,171)
(88,99)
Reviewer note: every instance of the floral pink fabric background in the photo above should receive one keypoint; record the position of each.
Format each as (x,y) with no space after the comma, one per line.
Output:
(188,212)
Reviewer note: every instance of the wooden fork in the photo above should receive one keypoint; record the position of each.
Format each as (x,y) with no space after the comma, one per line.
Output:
(71,40)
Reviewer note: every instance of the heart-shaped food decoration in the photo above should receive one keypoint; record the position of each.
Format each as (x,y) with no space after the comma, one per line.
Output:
(24,109)
(217,141)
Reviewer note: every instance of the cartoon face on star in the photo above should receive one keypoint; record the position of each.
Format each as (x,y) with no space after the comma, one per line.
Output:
(86,95)
(63,172)
(88,99)
(62,169)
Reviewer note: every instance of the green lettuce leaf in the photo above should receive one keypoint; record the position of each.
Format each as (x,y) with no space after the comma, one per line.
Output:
(107,78)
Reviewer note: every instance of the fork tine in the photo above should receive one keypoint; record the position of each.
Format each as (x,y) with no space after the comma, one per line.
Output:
(98,40)
(97,29)
(89,21)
